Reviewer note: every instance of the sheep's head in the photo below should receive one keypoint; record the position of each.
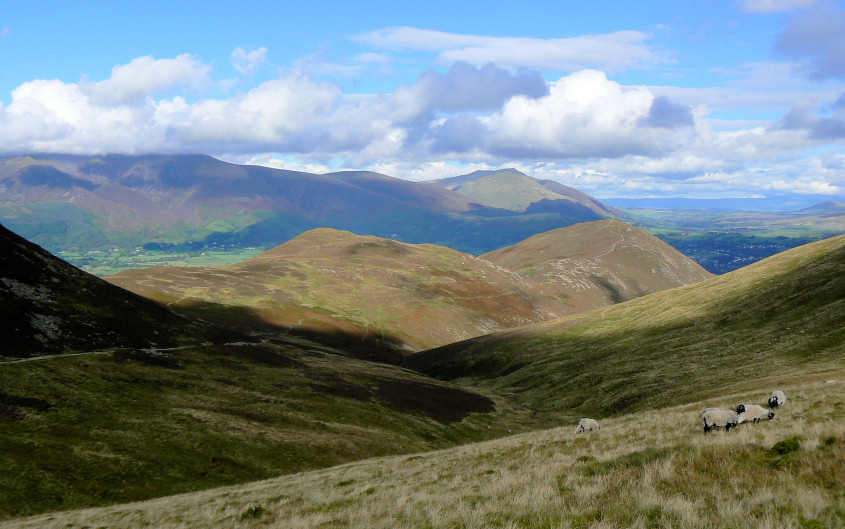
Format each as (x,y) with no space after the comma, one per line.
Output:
(773,402)
(740,408)
(771,415)
(580,429)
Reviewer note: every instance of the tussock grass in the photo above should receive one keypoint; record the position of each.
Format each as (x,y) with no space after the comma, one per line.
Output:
(649,469)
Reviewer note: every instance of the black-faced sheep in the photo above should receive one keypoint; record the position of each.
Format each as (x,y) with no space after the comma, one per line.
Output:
(711,418)
(778,398)
(587,425)
(754,413)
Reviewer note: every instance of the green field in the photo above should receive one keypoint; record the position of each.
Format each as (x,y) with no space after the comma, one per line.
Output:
(722,241)
(114,260)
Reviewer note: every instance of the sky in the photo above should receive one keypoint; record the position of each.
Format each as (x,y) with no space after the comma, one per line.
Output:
(682,98)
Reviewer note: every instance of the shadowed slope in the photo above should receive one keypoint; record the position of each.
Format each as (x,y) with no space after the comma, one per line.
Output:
(593,264)
(781,315)
(48,306)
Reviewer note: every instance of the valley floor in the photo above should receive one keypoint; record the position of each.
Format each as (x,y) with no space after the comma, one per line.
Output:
(649,469)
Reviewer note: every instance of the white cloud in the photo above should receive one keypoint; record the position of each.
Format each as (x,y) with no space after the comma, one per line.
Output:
(774,6)
(583,129)
(269,160)
(609,52)
(246,62)
(147,76)
(585,115)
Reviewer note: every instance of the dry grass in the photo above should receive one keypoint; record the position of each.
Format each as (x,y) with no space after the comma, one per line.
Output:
(650,469)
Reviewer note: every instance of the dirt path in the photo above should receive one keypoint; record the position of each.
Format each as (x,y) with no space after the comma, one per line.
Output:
(65,355)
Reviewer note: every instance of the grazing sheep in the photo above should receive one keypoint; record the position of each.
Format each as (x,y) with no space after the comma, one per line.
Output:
(726,419)
(754,413)
(587,425)
(778,398)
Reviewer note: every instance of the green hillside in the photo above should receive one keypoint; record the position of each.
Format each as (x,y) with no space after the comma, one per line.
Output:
(508,189)
(132,424)
(651,469)
(778,317)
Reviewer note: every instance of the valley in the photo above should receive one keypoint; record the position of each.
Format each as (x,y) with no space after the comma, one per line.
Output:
(248,402)
(422,370)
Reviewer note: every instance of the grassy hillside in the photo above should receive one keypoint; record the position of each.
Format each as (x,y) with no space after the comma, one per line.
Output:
(132,424)
(412,296)
(652,469)
(593,264)
(782,315)
(507,189)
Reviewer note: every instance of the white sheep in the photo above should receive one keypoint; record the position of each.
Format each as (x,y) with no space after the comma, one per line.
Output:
(587,425)
(712,418)
(754,413)
(778,398)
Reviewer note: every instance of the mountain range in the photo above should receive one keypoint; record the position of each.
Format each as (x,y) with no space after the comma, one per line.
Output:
(86,202)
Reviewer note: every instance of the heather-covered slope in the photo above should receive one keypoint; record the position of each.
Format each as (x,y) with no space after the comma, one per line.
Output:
(593,264)
(421,296)
(412,296)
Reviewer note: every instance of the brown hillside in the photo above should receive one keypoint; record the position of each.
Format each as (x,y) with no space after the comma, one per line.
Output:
(416,296)
(593,264)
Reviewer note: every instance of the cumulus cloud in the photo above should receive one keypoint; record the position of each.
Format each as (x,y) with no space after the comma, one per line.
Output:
(146,76)
(609,52)
(774,6)
(804,116)
(484,112)
(246,62)
(667,115)
(814,39)
(465,87)
(585,115)
(582,127)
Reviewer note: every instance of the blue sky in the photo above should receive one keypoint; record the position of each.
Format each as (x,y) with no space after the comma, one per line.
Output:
(734,98)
